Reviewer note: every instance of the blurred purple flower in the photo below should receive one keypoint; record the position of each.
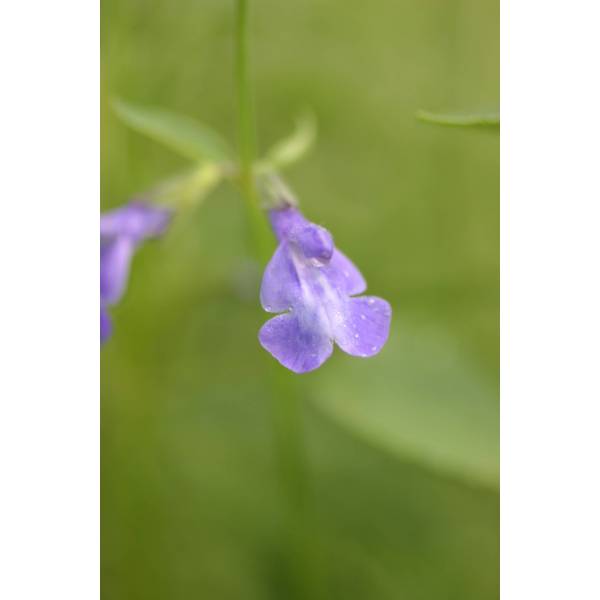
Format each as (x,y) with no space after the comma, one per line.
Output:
(105,323)
(121,231)
(313,284)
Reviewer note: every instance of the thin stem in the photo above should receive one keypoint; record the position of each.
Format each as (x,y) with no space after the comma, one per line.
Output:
(260,237)
(246,119)
(286,410)
(301,540)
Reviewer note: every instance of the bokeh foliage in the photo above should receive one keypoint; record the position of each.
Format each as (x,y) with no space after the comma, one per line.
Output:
(399,498)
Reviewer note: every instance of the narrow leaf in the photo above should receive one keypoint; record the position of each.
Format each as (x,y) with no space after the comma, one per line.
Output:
(180,133)
(293,148)
(189,189)
(461,119)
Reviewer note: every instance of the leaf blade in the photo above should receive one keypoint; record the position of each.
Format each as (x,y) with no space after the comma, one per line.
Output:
(292,148)
(180,133)
(489,119)
(421,400)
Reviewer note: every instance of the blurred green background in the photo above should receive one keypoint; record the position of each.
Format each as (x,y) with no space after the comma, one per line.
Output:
(223,475)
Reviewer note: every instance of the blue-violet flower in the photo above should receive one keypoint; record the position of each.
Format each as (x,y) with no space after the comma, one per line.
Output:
(121,231)
(313,284)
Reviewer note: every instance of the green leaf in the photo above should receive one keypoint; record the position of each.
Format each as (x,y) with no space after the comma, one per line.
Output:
(421,399)
(295,146)
(461,119)
(180,133)
(189,189)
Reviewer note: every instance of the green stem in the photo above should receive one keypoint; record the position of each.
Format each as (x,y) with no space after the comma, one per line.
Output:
(246,119)
(288,422)
(260,237)
(287,402)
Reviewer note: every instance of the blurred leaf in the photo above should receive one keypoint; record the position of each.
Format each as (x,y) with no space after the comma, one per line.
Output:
(420,399)
(181,133)
(187,190)
(461,119)
(294,147)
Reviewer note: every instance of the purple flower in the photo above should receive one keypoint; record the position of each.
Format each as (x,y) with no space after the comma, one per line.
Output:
(313,284)
(121,232)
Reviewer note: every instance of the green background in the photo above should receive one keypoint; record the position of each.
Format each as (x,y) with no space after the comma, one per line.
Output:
(225,476)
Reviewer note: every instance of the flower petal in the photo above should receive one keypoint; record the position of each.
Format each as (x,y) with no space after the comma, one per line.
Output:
(115,259)
(285,220)
(280,286)
(139,220)
(105,324)
(314,242)
(298,348)
(343,275)
(365,327)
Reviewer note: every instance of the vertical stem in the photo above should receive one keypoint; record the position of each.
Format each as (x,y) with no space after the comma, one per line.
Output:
(288,419)
(286,409)
(260,237)
(246,122)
